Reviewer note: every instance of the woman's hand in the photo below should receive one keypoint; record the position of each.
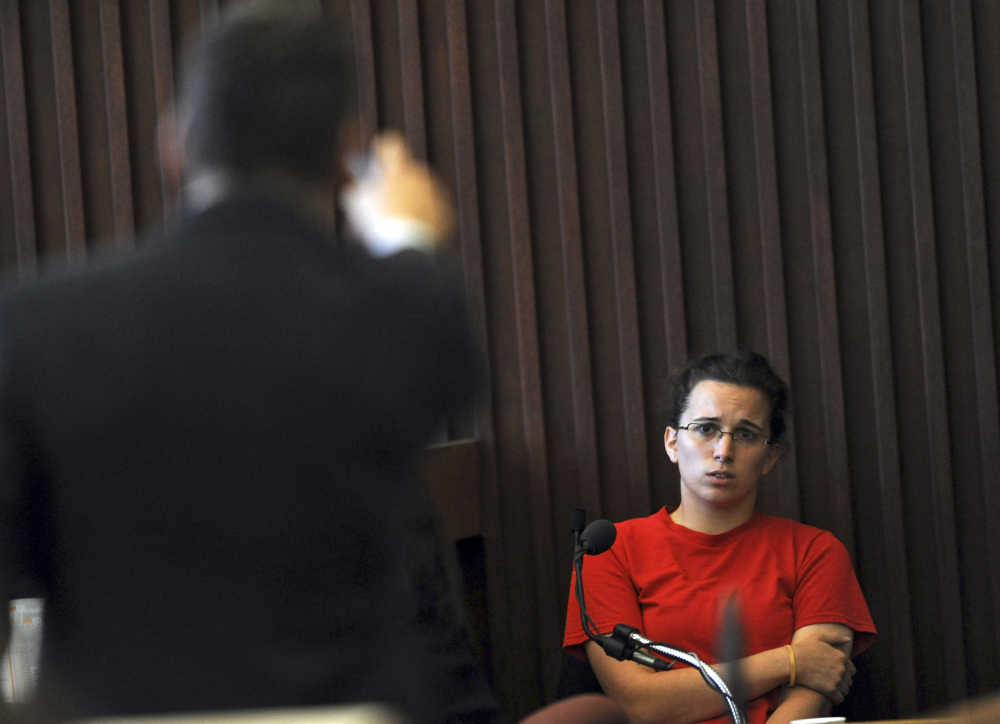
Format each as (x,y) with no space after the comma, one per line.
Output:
(821,661)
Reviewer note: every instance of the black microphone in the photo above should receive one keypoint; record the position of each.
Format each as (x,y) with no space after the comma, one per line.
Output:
(577,521)
(598,537)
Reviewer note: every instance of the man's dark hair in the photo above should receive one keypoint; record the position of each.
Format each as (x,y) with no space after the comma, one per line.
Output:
(266,89)
(746,369)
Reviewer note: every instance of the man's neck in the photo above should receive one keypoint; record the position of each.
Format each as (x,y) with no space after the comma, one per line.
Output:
(209,187)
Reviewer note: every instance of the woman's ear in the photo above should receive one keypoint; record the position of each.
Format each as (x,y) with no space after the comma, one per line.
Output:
(774,453)
(670,443)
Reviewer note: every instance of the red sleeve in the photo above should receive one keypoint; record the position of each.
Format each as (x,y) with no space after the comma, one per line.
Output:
(827,591)
(610,597)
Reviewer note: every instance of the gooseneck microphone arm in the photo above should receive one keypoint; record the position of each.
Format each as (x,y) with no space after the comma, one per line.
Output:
(626,642)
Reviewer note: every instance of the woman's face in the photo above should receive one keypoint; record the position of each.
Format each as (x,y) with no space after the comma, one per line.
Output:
(721,473)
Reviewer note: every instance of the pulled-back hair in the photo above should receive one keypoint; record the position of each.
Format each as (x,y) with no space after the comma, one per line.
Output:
(746,369)
(266,89)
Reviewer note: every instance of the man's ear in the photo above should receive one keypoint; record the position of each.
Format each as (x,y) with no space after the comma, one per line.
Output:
(174,160)
(670,443)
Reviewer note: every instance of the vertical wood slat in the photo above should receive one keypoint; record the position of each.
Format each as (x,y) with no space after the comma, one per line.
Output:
(567,195)
(893,525)
(364,55)
(163,90)
(66,130)
(668,236)
(715,175)
(533,416)
(117,126)
(785,474)
(411,71)
(947,567)
(629,355)
(979,284)
(831,384)
(466,200)
(17,134)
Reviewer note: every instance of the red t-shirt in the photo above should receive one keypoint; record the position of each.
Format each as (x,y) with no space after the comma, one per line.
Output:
(671,582)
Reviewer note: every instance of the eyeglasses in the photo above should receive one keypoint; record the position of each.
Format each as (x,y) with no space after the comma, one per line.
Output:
(708,433)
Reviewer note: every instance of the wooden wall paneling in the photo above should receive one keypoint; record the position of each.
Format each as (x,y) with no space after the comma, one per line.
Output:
(685,40)
(715,172)
(573,281)
(979,287)
(106,172)
(149,90)
(668,238)
(629,353)
(909,229)
(533,415)
(657,244)
(512,608)
(386,38)
(74,234)
(959,216)
(598,257)
(810,281)
(114,95)
(54,144)
(164,92)
(786,503)
(754,216)
(470,248)
(564,344)
(986,28)
(918,355)
(364,58)
(18,227)
(411,70)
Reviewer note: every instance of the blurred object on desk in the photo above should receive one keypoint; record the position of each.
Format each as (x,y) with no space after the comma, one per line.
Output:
(19,669)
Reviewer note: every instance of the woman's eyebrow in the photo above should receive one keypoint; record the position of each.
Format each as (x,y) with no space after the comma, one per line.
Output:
(751,423)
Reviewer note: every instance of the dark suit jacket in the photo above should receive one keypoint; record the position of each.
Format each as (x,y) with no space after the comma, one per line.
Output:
(201,448)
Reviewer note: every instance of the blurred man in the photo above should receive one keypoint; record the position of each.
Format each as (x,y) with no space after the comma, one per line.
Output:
(202,444)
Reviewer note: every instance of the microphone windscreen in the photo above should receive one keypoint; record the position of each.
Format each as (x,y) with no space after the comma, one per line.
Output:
(598,537)
(577,519)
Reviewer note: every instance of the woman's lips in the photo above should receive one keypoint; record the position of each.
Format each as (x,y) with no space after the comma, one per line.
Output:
(721,475)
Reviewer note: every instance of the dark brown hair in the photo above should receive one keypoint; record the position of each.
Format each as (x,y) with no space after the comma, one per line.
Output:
(746,369)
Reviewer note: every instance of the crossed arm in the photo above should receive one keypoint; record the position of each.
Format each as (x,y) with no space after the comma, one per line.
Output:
(823,677)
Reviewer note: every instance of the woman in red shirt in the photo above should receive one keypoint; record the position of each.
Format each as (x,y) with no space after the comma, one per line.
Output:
(668,574)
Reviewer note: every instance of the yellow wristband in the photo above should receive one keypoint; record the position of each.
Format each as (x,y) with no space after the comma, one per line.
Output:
(791,660)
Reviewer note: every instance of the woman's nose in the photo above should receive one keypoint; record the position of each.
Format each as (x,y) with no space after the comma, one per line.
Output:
(724,447)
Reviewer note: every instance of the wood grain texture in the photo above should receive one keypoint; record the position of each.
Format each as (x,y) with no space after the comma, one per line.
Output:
(412,73)
(19,249)
(979,282)
(623,256)
(364,59)
(574,281)
(117,127)
(533,416)
(73,235)
(470,250)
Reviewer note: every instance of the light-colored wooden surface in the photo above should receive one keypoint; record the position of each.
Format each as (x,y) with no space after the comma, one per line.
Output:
(359,714)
